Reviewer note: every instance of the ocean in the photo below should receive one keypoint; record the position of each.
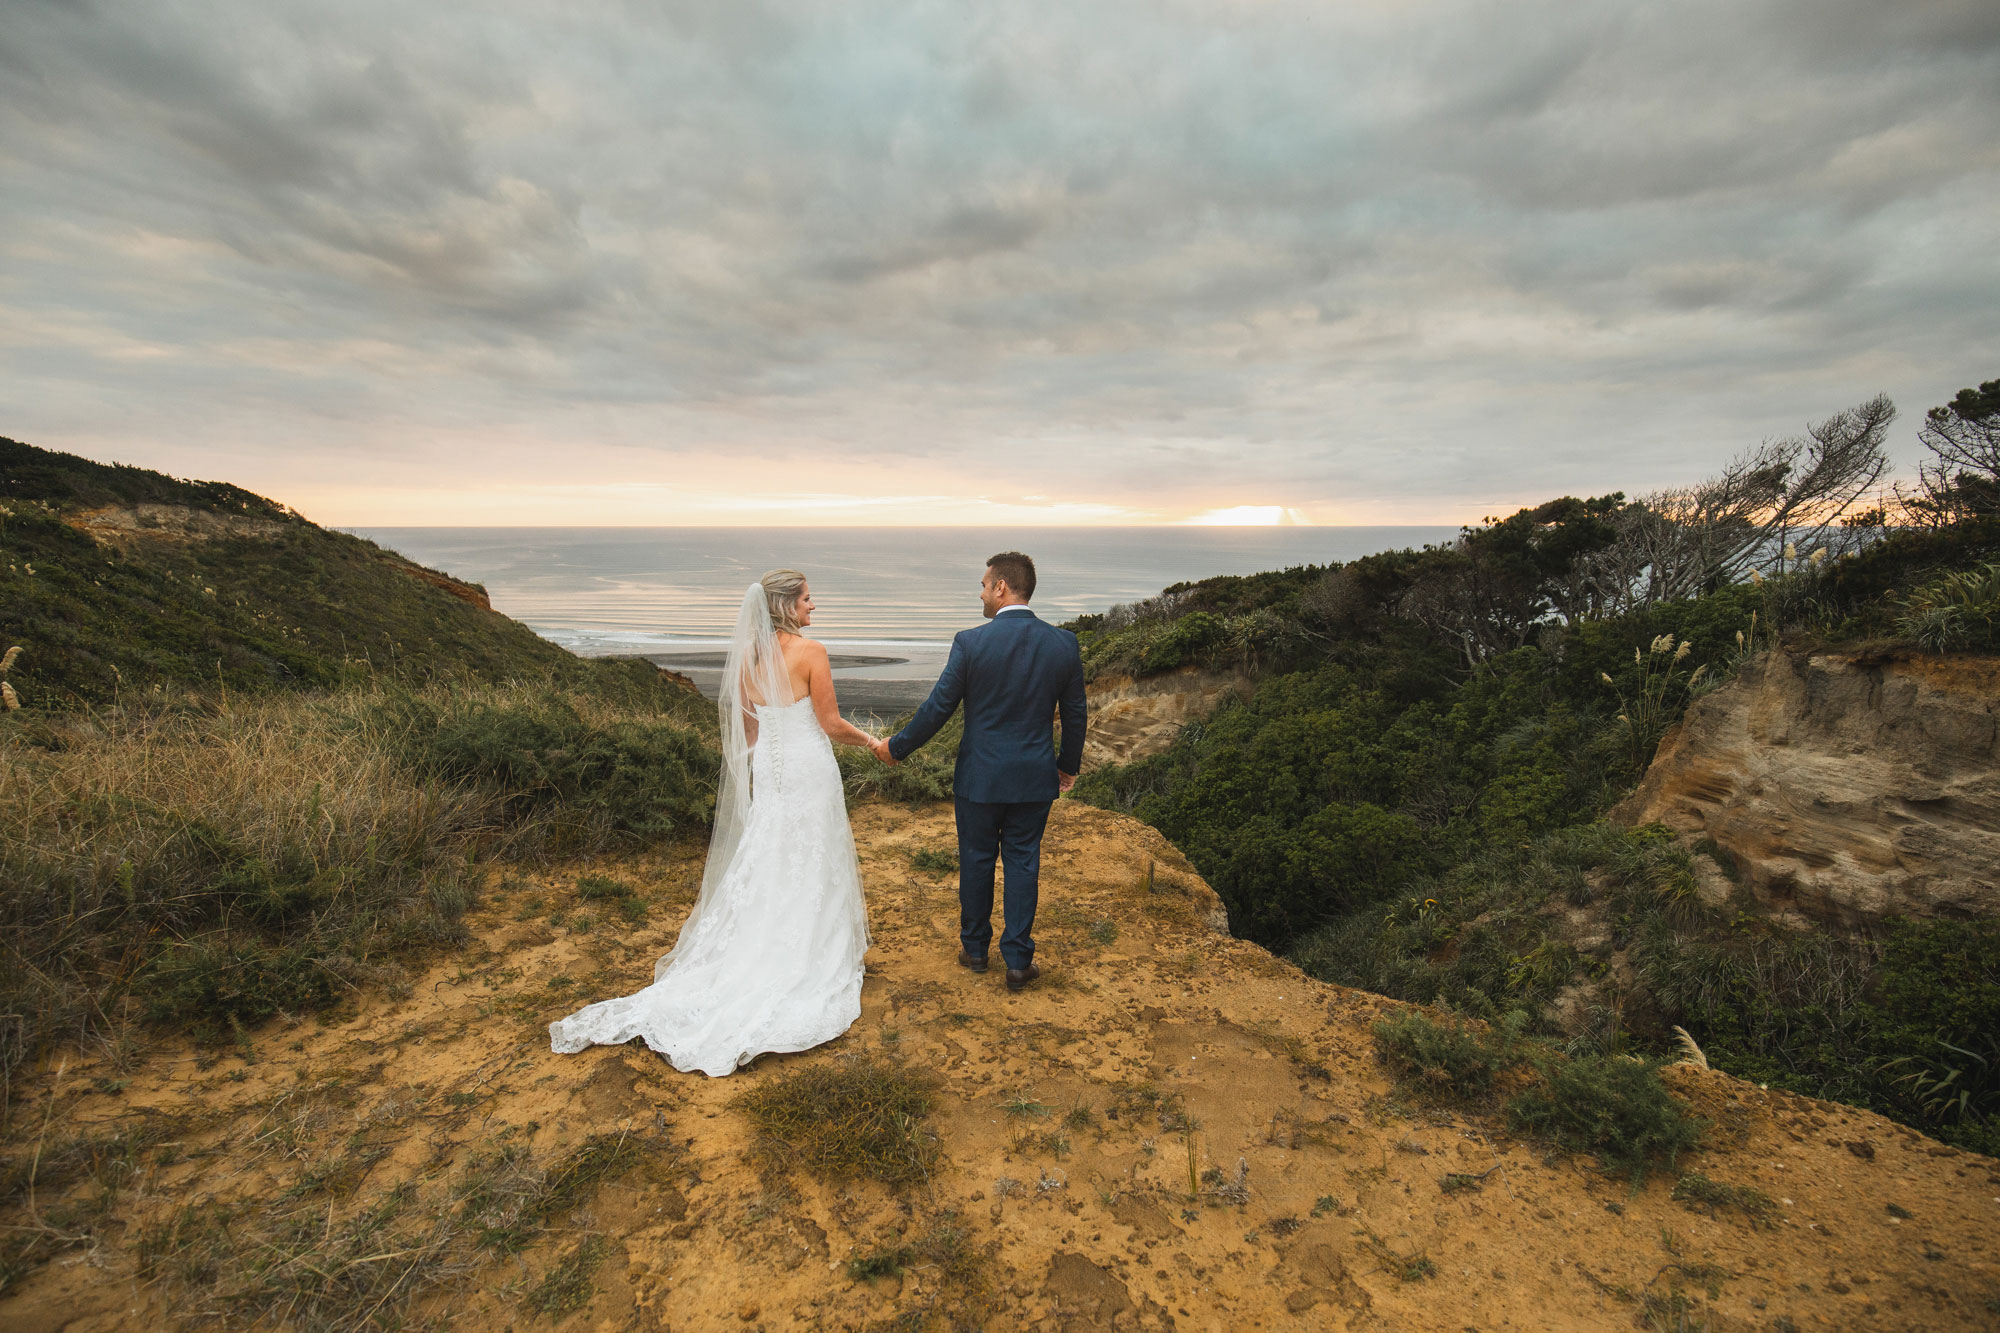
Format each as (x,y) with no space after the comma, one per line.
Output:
(889,599)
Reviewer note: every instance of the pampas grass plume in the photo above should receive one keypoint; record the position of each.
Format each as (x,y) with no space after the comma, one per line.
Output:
(1690,1051)
(7,662)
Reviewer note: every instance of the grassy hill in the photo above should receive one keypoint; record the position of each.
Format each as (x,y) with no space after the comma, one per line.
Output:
(254,758)
(120,580)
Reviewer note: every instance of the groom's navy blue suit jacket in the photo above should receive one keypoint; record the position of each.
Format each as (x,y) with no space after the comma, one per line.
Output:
(1013,674)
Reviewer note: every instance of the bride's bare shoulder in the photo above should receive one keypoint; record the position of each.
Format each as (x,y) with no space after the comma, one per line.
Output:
(798,648)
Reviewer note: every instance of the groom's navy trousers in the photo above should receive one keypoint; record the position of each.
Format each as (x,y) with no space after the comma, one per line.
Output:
(1015,675)
(1011,832)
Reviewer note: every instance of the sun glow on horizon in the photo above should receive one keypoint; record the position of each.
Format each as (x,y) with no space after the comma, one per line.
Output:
(1250,516)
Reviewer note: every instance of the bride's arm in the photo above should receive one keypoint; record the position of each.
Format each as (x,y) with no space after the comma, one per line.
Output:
(819,680)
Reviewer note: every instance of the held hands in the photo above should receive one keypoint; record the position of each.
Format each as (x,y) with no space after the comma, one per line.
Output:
(880,749)
(1065,781)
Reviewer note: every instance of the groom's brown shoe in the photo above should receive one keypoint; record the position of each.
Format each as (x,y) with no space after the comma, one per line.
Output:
(968,961)
(1019,977)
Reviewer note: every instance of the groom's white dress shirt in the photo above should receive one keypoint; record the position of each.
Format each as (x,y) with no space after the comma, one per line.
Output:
(1005,609)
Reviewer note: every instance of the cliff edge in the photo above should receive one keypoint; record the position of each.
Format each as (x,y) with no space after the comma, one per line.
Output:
(1173,1130)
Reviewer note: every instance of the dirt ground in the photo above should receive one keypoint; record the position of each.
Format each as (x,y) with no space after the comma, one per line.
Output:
(1321,1201)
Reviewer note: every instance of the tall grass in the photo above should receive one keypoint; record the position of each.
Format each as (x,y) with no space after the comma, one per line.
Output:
(214,862)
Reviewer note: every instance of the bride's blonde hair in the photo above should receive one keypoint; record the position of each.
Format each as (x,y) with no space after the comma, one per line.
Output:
(782,590)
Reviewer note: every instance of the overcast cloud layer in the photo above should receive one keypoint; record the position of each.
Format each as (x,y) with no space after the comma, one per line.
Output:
(1087,261)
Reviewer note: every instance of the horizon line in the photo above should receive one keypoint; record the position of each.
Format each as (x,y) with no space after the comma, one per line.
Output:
(1180,526)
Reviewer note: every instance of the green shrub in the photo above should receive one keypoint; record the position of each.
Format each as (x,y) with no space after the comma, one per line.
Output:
(1957,610)
(593,781)
(1450,1063)
(1904,1025)
(1870,588)
(1183,642)
(1613,1106)
(1933,1017)
(209,985)
(924,775)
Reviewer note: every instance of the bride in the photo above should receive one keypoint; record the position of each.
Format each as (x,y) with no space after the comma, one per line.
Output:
(770,957)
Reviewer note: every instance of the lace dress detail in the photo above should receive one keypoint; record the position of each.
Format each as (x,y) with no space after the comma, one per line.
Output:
(775,964)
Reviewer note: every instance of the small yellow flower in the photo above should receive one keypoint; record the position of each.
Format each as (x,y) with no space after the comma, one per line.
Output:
(1605,676)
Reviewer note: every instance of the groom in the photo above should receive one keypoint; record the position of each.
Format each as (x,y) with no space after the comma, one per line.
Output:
(1012,675)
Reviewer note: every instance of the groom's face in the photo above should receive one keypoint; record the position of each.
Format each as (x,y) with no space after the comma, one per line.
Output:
(991,593)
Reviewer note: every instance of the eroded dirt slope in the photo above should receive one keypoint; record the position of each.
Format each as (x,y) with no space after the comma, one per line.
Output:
(1077,1222)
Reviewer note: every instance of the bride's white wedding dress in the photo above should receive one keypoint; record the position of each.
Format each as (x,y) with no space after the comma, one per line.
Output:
(770,959)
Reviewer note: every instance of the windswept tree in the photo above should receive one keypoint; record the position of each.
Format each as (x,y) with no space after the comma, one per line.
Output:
(1485,593)
(1961,478)
(1789,493)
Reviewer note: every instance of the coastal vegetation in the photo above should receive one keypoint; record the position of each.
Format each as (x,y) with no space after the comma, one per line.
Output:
(248,764)
(268,859)
(1411,800)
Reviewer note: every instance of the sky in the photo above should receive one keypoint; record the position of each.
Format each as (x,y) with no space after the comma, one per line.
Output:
(736,262)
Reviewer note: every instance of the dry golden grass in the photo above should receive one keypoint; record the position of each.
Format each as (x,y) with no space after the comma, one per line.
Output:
(214,862)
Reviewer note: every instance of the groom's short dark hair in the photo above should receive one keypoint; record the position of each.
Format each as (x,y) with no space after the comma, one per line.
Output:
(1017,569)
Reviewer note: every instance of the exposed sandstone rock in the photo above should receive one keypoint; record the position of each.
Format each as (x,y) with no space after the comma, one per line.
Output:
(178,523)
(465,592)
(1130,719)
(1845,789)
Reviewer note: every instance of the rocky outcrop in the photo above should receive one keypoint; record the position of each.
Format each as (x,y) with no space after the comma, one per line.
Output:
(1846,789)
(1130,719)
(117,524)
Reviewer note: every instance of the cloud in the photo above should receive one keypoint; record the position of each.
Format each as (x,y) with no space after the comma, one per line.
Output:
(1395,261)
